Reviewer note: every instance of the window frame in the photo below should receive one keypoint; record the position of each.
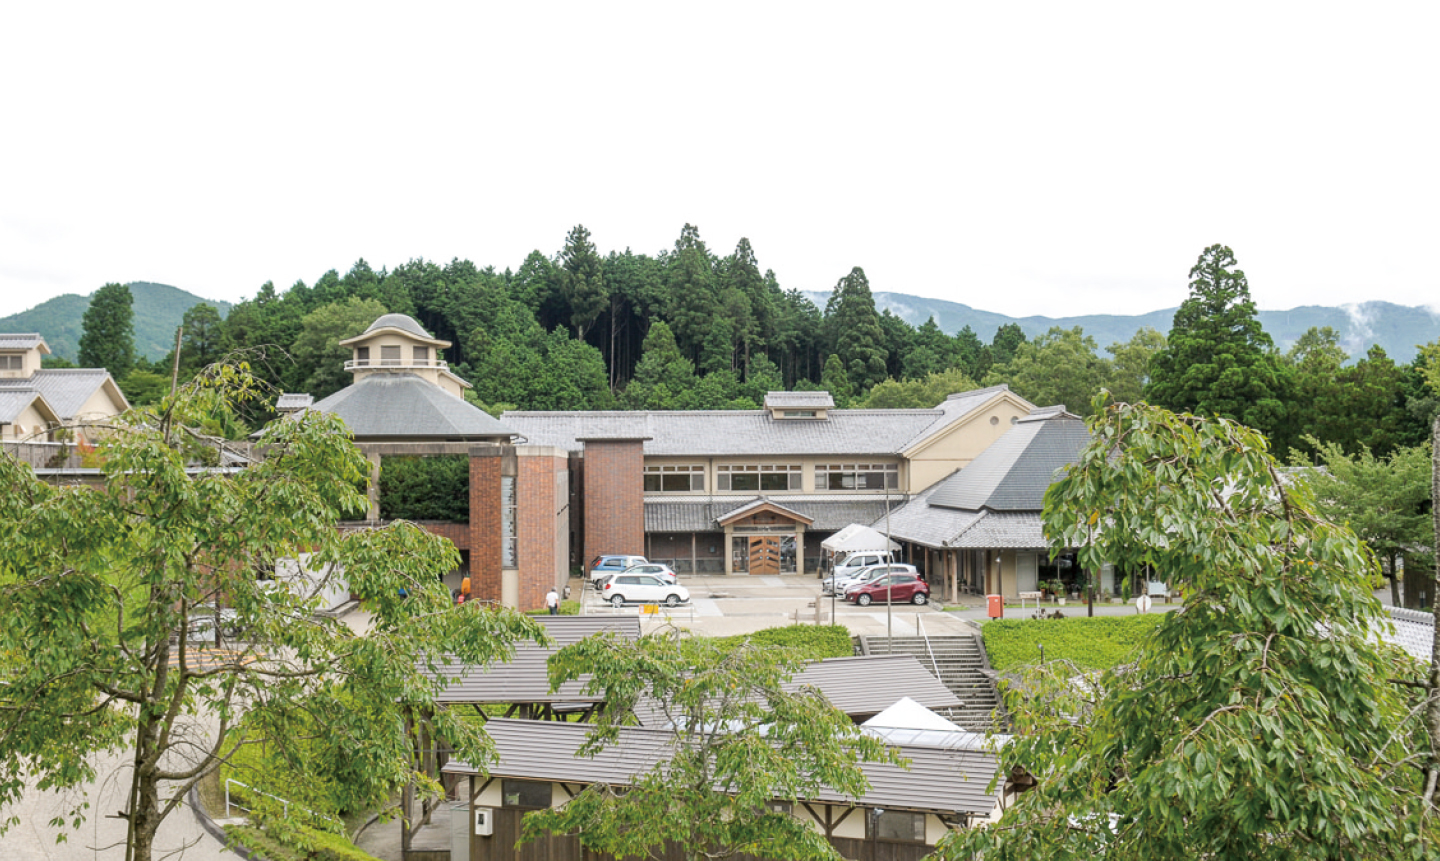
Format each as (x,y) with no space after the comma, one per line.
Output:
(521,787)
(826,474)
(792,473)
(693,475)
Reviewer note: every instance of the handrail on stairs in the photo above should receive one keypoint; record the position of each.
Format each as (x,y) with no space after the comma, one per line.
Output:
(919,627)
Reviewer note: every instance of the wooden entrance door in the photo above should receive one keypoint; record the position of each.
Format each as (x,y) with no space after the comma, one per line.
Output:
(764,554)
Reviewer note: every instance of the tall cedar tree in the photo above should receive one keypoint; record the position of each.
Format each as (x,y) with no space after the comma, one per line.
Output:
(582,282)
(1218,360)
(108,336)
(690,301)
(854,333)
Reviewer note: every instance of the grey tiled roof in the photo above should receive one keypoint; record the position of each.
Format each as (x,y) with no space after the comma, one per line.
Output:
(799,400)
(403,322)
(20,341)
(1008,530)
(919,522)
(14,401)
(859,686)
(404,406)
(293,401)
(938,780)
(525,678)
(1014,472)
(1414,632)
(701,515)
(721,433)
(65,389)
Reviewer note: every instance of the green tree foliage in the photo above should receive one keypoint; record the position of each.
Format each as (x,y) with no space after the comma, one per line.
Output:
(835,381)
(663,375)
(1130,364)
(853,331)
(1007,340)
(918,394)
(691,303)
(425,488)
(1257,723)
(581,279)
(1218,360)
(1385,501)
(970,354)
(318,346)
(108,338)
(742,741)
(143,388)
(572,376)
(1059,367)
(201,338)
(97,585)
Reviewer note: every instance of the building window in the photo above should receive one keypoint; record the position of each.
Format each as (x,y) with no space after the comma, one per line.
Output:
(389,355)
(857,476)
(362,355)
(797,414)
(525,793)
(13,362)
(680,478)
(901,826)
(764,477)
(509,533)
(421,355)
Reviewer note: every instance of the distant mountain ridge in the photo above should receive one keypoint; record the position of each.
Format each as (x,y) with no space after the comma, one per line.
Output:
(1396,328)
(158,309)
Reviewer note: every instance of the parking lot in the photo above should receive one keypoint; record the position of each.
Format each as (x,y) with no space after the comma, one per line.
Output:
(739,604)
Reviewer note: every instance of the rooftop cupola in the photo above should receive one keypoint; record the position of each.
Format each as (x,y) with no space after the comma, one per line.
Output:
(799,405)
(395,343)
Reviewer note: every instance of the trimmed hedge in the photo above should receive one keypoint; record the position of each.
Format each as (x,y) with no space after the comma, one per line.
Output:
(812,642)
(310,845)
(1092,644)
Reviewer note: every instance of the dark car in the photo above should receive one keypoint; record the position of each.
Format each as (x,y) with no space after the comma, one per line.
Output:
(893,587)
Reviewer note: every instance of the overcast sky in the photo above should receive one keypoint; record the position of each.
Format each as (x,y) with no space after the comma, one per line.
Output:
(1024,158)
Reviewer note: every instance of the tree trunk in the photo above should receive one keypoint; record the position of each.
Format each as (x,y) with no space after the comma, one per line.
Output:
(1394,581)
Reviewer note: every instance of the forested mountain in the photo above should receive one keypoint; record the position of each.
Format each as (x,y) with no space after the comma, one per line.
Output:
(693,328)
(1396,328)
(158,310)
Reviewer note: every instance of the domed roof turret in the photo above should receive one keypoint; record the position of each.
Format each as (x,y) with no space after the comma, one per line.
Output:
(403,322)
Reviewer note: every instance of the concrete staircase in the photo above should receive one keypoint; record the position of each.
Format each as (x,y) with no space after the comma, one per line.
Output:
(960,664)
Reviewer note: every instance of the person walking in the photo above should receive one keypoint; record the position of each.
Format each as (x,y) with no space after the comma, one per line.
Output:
(552,600)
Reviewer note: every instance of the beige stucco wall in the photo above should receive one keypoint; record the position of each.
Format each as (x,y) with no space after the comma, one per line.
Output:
(960,443)
(100,405)
(807,464)
(31,363)
(30,424)
(431,373)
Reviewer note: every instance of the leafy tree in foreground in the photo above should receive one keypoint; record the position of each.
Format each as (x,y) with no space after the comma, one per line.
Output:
(97,586)
(108,337)
(1258,722)
(741,740)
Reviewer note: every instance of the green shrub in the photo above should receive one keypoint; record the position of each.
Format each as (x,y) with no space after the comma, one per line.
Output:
(425,488)
(288,842)
(811,642)
(1092,644)
(567,608)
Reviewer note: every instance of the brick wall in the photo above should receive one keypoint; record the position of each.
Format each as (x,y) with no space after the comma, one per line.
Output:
(614,498)
(539,510)
(485,525)
(458,533)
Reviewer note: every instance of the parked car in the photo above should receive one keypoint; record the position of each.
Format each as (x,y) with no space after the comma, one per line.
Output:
(844,583)
(626,588)
(654,569)
(852,563)
(600,566)
(894,587)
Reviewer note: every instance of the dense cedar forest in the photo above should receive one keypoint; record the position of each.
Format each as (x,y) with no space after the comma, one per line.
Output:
(690,328)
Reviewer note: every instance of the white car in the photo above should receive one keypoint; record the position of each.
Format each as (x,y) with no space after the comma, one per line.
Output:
(627,588)
(654,569)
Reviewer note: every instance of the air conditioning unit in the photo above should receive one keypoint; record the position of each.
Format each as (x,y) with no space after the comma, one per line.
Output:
(484,821)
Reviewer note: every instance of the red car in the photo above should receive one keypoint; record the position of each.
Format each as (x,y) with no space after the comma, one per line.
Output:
(893,587)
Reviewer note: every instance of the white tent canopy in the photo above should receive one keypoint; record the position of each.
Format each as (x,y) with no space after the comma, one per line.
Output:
(856,538)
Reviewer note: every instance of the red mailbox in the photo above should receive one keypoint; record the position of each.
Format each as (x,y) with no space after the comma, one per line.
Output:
(997,606)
